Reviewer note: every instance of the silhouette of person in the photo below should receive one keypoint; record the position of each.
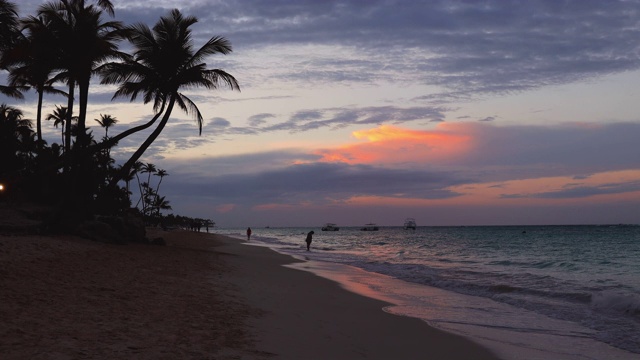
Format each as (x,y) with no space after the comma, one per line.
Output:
(308,240)
(248,233)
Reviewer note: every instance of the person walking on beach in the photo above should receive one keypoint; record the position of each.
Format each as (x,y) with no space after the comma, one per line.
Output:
(248,233)
(309,235)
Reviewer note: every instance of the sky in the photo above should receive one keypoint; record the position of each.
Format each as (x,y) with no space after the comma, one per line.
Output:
(352,112)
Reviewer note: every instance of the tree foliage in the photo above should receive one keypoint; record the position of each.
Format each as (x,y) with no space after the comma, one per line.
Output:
(64,45)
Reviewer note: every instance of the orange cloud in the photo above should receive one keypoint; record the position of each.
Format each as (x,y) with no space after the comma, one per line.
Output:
(275,206)
(225,208)
(393,145)
(527,189)
(498,193)
(268,207)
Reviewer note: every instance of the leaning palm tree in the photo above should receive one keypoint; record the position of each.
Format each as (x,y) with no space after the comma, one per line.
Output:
(136,169)
(164,62)
(161,173)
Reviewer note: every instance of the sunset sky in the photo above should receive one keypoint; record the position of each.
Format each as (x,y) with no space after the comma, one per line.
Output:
(450,112)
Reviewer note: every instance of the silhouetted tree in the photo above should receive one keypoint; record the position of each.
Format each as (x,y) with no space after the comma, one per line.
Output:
(59,117)
(31,62)
(163,63)
(84,42)
(106,121)
(9,33)
(15,136)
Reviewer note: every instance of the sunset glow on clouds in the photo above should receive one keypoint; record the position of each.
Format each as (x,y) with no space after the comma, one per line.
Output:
(394,145)
(609,186)
(455,173)
(360,174)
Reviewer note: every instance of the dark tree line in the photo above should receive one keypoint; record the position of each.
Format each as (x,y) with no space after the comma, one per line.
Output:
(60,50)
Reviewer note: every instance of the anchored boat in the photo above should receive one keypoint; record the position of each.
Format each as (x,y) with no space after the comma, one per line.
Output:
(330,227)
(370,227)
(410,223)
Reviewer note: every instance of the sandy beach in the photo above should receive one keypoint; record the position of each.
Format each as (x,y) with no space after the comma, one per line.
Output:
(202,296)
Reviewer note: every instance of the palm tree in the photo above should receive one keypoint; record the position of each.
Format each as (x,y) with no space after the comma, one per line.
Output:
(132,174)
(160,173)
(160,203)
(59,116)
(148,169)
(84,42)
(136,169)
(8,24)
(9,33)
(15,134)
(31,62)
(163,63)
(106,121)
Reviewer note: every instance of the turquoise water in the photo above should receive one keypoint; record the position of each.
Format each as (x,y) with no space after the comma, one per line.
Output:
(585,276)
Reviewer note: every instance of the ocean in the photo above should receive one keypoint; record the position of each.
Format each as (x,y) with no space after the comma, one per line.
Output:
(527,292)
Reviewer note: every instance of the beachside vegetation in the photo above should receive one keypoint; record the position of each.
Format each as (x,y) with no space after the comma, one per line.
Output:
(58,51)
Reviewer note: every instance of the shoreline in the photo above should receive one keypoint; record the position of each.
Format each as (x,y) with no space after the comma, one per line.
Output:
(507,331)
(311,317)
(204,296)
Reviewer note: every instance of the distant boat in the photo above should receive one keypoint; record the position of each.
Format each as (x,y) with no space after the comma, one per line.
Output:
(410,223)
(370,227)
(330,227)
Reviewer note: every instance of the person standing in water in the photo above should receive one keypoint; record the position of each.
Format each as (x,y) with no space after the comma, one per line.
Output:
(309,235)
(248,233)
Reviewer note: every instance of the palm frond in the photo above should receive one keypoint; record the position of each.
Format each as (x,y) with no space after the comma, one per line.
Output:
(11,91)
(190,107)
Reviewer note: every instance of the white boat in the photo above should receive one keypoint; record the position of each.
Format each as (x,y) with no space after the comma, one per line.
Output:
(330,227)
(370,227)
(410,223)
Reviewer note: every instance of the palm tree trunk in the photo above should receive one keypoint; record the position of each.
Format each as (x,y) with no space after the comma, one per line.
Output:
(158,186)
(114,140)
(152,137)
(83,87)
(141,193)
(67,135)
(39,118)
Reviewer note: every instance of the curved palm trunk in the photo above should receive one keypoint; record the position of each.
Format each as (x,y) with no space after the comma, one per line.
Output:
(114,140)
(158,196)
(152,137)
(141,193)
(158,186)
